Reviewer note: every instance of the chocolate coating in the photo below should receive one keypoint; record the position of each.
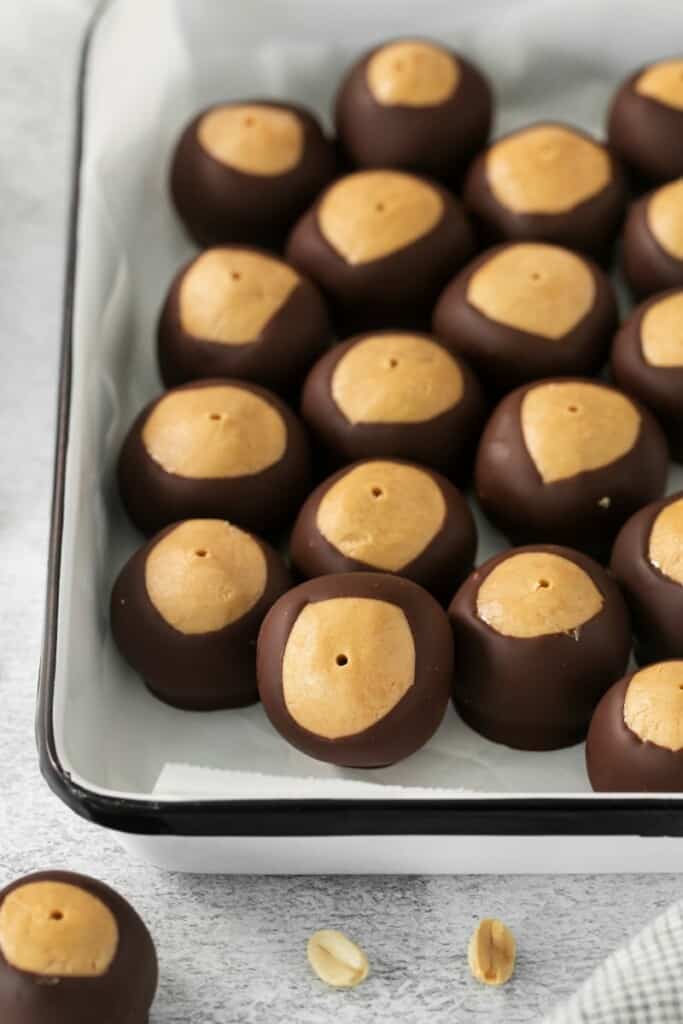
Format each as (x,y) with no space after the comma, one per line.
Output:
(445,442)
(590,227)
(124,993)
(645,134)
(278,359)
(218,203)
(199,671)
(655,600)
(413,720)
(618,761)
(647,267)
(569,511)
(263,501)
(439,568)
(398,290)
(659,388)
(505,357)
(536,693)
(437,140)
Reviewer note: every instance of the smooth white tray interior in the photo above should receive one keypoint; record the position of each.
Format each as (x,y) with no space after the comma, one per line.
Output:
(152,65)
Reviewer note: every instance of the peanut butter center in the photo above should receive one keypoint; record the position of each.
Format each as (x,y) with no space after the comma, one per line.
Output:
(664,215)
(371,214)
(540,289)
(396,378)
(661,332)
(663,82)
(210,432)
(653,706)
(412,74)
(252,138)
(536,593)
(205,574)
(546,169)
(57,930)
(382,513)
(229,295)
(347,663)
(666,541)
(572,427)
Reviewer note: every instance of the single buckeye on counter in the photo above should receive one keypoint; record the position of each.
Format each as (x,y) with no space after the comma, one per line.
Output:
(186,611)
(567,461)
(216,449)
(244,171)
(387,515)
(540,633)
(653,241)
(241,313)
(647,562)
(394,394)
(635,741)
(72,951)
(355,669)
(416,105)
(381,245)
(527,310)
(647,361)
(548,182)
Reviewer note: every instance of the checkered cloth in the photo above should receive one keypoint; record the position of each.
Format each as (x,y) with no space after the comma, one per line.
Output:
(642,983)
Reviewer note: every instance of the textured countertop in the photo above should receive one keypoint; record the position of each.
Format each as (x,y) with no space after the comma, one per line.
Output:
(231,948)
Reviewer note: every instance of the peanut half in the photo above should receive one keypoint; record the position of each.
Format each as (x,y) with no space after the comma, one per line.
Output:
(491,952)
(336,960)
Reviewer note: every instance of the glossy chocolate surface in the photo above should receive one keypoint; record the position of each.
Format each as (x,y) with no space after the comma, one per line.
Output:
(645,134)
(647,267)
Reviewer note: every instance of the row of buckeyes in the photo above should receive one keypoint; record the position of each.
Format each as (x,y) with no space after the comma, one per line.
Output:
(357,668)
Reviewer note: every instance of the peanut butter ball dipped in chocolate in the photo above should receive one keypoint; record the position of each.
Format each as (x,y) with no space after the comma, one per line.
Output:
(394,394)
(186,611)
(218,449)
(390,516)
(653,241)
(645,126)
(647,561)
(72,951)
(527,310)
(414,104)
(568,461)
(236,312)
(548,182)
(539,633)
(244,172)
(635,741)
(647,361)
(381,244)
(355,669)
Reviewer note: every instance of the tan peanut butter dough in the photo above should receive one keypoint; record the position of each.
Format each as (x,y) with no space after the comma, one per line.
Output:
(371,214)
(347,662)
(205,574)
(396,378)
(572,427)
(57,930)
(653,706)
(412,74)
(253,138)
(537,593)
(665,550)
(546,169)
(533,287)
(661,332)
(664,215)
(221,431)
(663,82)
(382,513)
(229,295)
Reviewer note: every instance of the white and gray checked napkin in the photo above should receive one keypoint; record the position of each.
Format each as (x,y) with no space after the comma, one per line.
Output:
(641,983)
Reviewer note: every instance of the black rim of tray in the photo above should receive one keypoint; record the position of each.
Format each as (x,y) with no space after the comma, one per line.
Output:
(660,816)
